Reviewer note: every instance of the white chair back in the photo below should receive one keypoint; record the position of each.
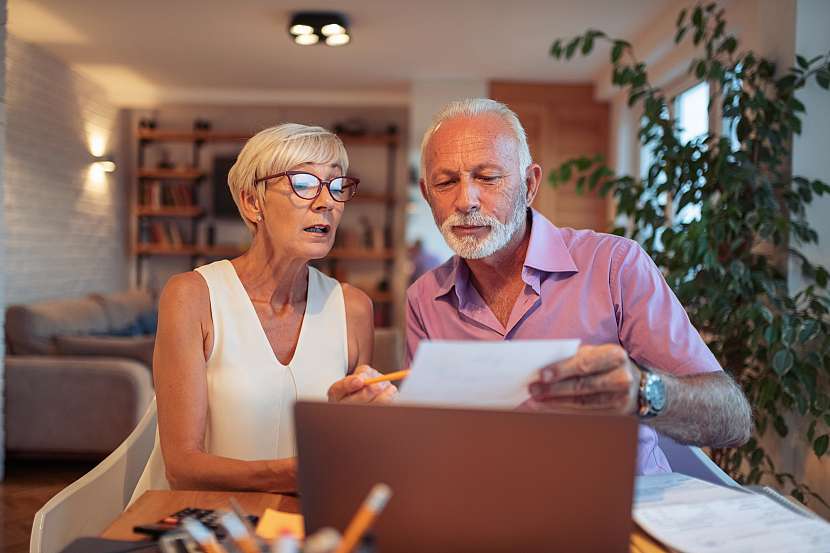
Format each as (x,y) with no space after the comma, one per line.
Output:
(692,461)
(87,506)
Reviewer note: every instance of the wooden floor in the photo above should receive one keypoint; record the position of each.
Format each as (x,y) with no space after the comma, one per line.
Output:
(27,486)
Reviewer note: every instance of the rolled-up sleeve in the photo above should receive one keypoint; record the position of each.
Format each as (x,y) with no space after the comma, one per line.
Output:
(654,328)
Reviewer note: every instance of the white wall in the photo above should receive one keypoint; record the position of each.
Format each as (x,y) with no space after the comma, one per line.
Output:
(427,97)
(810,160)
(65,227)
(2,228)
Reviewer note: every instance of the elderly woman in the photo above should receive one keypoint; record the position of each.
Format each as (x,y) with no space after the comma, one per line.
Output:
(240,341)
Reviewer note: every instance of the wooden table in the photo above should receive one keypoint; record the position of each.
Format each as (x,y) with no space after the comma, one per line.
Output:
(155,505)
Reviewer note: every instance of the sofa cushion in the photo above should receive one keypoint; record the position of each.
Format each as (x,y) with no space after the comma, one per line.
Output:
(124,310)
(139,348)
(31,328)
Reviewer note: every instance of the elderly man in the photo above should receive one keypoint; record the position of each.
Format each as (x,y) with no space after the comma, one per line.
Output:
(517,276)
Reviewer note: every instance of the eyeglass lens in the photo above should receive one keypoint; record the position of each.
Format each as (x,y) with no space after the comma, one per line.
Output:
(307,186)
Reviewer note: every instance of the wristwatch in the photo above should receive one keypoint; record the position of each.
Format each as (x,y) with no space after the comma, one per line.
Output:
(652,396)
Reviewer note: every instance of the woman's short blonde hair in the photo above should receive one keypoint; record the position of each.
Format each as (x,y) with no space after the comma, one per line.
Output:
(278,149)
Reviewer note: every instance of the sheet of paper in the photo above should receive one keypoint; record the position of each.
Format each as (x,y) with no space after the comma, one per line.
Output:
(692,516)
(479,374)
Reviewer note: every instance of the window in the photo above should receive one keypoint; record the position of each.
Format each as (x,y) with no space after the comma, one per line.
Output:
(690,109)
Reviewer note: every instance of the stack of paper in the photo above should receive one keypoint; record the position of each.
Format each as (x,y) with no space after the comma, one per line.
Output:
(693,516)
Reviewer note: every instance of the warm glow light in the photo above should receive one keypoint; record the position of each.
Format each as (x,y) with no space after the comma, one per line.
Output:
(97,144)
(306,40)
(332,29)
(97,179)
(298,30)
(337,40)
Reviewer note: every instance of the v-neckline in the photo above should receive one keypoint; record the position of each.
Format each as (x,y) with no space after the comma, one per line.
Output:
(262,333)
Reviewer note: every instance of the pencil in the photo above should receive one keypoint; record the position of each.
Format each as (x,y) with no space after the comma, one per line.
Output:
(397,375)
(364,517)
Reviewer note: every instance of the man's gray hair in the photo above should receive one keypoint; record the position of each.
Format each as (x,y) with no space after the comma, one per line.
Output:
(472,107)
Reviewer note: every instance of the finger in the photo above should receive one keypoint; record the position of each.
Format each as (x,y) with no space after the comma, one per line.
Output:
(344,387)
(362,369)
(619,380)
(588,360)
(387,396)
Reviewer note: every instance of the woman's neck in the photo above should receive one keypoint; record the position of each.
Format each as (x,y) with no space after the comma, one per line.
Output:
(271,276)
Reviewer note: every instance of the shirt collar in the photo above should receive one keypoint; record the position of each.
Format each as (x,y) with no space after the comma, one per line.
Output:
(546,252)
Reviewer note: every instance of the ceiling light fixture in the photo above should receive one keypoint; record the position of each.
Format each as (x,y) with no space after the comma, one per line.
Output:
(307,28)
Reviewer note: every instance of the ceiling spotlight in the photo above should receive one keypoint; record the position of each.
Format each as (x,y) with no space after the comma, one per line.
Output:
(297,30)
(338,40)
(308,28)
(333,29)
(307,40)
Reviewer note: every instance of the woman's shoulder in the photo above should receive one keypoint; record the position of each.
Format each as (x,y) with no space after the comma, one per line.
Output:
(357,302)
(185,288)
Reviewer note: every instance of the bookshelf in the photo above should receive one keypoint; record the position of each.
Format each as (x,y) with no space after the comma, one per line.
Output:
(170,205)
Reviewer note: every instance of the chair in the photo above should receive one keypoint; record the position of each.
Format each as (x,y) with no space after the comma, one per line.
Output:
(88,505)
(692,461)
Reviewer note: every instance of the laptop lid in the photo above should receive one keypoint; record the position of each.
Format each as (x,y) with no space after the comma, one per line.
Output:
(470,480)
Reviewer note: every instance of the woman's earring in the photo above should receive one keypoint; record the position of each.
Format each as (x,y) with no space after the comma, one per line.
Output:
(259,217)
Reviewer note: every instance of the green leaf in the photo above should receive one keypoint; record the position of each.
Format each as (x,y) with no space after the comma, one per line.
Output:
(571,47)
(681,17)
(820,445)
(617,50)
(782,361)
(697,16)
(679,35)
(556,49)
(587,45)
(780,426)
(811,431)
(802,62)
(700,70)
(808,330)
(823,78)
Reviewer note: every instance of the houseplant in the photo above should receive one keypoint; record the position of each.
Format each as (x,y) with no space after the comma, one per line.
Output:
(728,263)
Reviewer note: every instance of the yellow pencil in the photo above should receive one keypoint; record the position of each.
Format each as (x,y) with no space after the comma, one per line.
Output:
(364,517)
(397,375)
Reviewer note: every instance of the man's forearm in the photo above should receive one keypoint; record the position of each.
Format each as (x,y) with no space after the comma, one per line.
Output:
(704,410)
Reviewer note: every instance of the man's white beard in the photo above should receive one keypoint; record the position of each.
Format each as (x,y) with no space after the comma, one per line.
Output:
(470,247)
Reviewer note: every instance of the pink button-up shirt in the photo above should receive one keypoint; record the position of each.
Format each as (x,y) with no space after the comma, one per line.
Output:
(599,288)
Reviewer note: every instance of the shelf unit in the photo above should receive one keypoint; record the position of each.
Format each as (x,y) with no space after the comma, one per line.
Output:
(176,197)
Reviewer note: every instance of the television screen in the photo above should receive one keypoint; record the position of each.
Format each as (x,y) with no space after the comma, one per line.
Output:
(223,206)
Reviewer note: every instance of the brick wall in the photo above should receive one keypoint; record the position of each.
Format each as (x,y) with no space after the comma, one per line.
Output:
(65,225)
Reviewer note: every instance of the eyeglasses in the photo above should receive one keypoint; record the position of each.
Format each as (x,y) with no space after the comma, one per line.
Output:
(308,186)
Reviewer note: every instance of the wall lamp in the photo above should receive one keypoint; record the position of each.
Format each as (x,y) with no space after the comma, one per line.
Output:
(309,28)
(105,164)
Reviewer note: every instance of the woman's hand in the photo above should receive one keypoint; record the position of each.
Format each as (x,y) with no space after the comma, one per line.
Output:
(353,389)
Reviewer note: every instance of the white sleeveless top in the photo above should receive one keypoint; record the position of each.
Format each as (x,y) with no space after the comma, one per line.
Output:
(251,394)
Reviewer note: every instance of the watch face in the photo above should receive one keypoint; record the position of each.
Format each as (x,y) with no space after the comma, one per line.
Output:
(655,392)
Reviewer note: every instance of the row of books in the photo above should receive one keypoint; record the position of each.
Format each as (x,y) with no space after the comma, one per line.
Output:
(167,234)
(154,194)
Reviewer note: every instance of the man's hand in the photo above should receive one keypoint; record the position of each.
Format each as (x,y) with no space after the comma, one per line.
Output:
(353,390)
(597,378)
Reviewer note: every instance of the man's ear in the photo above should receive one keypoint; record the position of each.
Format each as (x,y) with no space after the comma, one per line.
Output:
(533,178)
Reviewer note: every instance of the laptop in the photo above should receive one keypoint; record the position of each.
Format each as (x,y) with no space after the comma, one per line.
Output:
(470,480)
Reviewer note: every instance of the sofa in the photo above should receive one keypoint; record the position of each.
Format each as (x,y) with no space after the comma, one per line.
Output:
(77,373)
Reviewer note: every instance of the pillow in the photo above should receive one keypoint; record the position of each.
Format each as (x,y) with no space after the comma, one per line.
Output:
(139,348)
